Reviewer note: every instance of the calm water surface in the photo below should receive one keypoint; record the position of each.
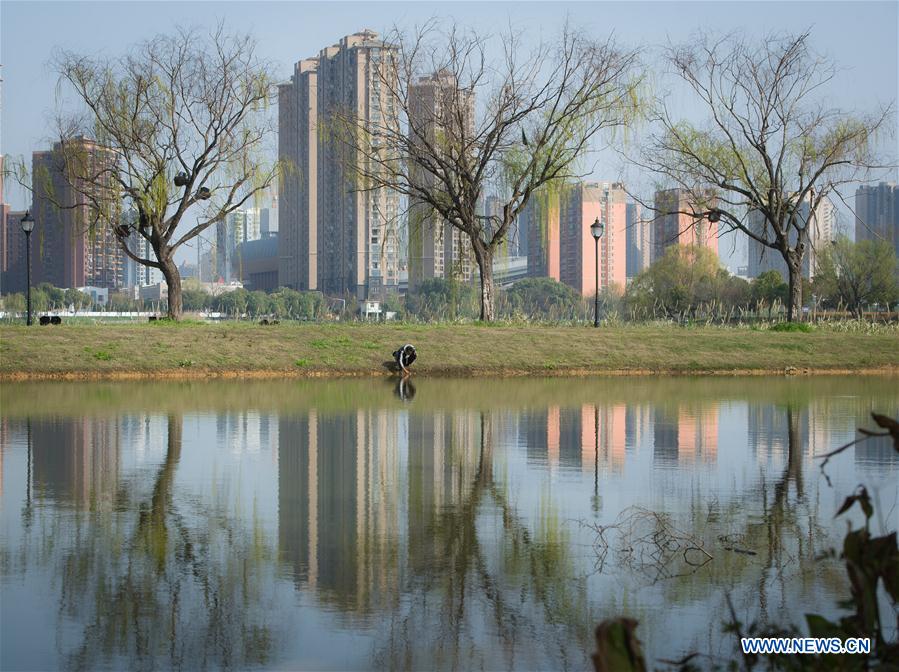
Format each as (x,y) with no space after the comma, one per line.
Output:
(450,524)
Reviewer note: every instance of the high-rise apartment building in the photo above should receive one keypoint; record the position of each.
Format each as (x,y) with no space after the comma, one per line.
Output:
(580,205)
(334,236)
(358,251)
(540,219)
(14,277)
(820,233)
(639,240)
(673,224)
(877,214)
(298,192)
(70,250)
(239,226)
(436,248)
(4,232)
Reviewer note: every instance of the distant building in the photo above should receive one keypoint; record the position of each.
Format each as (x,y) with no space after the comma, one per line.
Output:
(820,234)
(540,219)
(4,246)
(14,277)
(436,248)
(877,214)
(357,246)
(268,220)
(239,226)
(298,187)
(99,295)
(561,244)
(187,270)
(67,253)
(135,273)
(639,240)
(334,237)
(580,206)
(674,223)
(259,264)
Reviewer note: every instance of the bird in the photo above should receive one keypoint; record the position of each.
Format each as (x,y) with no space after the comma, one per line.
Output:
(524,138)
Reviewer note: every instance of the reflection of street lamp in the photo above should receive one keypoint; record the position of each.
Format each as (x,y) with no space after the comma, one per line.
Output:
(28,227)
(597,229)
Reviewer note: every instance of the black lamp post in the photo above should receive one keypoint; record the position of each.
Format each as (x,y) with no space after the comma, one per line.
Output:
(597,229)
(28,227)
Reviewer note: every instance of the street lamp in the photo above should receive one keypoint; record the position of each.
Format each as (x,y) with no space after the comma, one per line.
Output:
(597,229)
(28,227)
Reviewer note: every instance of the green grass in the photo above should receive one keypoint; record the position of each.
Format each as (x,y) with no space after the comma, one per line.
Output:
(199,349)
(792,327)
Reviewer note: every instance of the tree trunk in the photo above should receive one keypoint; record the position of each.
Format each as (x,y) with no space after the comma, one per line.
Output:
(484,256)
(173,280)
(794,269)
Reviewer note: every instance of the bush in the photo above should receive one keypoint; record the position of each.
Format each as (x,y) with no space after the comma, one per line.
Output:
(792,327)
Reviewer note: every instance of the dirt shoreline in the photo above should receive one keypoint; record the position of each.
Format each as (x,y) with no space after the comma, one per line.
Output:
(448,372)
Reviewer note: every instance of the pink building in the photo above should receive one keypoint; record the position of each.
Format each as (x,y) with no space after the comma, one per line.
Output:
(580,205)
(675,224)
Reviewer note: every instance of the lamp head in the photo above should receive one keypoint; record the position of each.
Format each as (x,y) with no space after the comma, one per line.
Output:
(597,228)
(27,222)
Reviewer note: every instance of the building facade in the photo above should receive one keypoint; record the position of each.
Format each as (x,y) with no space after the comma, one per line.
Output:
(71,249)
(332,236)
(674,224)
(540,219)
(358,251)
(14,277)
(239,226)
(580,206)
(639,240)
(298,188)
(877,214)
(436,248)
(820,233)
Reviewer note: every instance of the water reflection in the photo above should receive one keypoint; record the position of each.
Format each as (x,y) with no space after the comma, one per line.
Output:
(339,525)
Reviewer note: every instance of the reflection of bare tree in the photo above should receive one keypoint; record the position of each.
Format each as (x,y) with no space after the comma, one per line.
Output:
(521,591)
(172,589)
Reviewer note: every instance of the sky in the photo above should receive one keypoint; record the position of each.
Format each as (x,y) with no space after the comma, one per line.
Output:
(861,37)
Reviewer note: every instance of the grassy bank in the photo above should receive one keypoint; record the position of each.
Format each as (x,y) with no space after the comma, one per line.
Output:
(201,350)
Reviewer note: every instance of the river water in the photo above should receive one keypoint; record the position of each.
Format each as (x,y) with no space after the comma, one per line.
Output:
(446,524)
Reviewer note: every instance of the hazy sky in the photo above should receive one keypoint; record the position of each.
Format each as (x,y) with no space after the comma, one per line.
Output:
(860,36)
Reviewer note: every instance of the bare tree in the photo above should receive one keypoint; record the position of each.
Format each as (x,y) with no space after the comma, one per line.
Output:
(772,149)
(184,118)
(511,124)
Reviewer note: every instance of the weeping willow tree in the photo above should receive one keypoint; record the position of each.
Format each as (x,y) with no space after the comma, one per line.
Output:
(184,119)
(772,149)
(459,123)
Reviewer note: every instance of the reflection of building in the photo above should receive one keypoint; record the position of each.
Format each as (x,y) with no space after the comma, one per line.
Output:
(337,507)
(76,460)
(769,431)
(543,432)
(442,464)
(246,431)
(637,420)
(685,434)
